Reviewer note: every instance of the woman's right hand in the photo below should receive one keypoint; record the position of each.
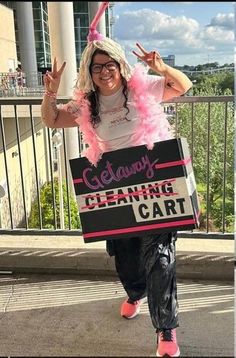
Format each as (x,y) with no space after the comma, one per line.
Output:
(52,79)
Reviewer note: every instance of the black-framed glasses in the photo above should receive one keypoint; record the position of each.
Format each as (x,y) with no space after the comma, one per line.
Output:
(110,66)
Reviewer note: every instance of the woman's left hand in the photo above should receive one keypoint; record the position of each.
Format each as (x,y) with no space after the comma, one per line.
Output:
(152,59)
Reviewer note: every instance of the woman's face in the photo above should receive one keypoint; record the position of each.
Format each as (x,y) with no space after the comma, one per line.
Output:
(107,77)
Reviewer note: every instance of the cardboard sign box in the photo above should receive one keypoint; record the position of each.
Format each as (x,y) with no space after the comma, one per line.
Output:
(135,192)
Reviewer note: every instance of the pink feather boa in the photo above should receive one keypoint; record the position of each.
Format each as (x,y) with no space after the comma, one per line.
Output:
(154,124)
(93,152)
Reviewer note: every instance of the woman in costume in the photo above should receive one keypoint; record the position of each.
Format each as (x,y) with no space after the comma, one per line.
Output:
(116,106)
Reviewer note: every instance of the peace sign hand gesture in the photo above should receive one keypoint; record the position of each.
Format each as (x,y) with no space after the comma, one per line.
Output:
(152,59)
(52,79)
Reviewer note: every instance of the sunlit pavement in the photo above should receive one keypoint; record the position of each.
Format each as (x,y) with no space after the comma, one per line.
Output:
(66,316)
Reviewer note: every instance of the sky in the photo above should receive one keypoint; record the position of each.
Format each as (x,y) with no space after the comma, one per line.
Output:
(195,32)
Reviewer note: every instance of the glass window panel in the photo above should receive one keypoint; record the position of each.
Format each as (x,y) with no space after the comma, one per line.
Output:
(83,45)
(45,16)
(36,4)
(40,59)
(48,58)
(81,33)
(39,46)
(38,25)
(76,35)
(45,25)
(37,14)
(38,36)
(7,4)
(77,47)
(47,38)
(80,6)
(84,33)
(45,6)
(81,20)
(47,47)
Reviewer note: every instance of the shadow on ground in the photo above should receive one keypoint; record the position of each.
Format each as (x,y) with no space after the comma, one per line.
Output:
(70,315)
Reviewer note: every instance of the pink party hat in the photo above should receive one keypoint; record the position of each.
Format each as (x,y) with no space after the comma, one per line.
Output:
(93,33)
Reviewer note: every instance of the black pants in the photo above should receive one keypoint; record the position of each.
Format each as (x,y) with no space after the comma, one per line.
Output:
(147,267)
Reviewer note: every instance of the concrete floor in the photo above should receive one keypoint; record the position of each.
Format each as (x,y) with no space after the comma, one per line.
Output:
(71,315)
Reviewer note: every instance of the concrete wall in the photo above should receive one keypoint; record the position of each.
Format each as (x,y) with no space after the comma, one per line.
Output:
(8,58)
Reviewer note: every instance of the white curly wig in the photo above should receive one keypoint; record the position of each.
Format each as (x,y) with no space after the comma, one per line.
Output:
(113,49)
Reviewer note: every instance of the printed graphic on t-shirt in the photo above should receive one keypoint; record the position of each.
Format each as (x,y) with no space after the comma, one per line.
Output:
(117,122)
(115,116)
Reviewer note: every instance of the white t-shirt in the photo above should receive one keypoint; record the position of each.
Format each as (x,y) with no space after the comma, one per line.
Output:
(117,127)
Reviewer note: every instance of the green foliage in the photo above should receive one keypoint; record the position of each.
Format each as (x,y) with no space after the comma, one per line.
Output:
(221,83)
(47,209)
(212,155)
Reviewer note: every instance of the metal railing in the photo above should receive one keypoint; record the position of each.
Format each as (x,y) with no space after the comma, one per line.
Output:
(36,191)
(21,84)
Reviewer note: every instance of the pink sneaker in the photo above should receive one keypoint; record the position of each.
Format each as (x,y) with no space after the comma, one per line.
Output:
(167,345)
(130,309)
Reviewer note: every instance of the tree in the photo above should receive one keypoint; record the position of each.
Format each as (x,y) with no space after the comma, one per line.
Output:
(46,204)
(213,84)
(211,127)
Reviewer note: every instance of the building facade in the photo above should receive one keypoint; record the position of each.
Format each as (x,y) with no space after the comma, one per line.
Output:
(82,17)
(169,60)
(25,32)
(8,58)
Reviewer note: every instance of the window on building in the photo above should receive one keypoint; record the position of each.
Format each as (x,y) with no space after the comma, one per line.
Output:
(7,4)
(80,6)
(38,25)
(81,20)
(36,13)
(38,36)
(39,46)
(40,59)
